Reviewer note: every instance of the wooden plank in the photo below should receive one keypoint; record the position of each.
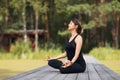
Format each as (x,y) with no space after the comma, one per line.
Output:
(92,74)
(114,75)
(38,75)
(27,73)
(84,75)
(49,75)
(60,77)
(34,76)
(72,76)
(103,74)
(91,59)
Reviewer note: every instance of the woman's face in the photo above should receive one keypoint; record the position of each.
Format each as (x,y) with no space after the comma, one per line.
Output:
(72,26)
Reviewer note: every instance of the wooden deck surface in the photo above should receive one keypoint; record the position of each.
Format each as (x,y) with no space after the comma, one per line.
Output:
(94,71)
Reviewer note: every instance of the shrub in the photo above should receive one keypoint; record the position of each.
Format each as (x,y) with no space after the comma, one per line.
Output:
(2,50)
(21,48)
(43,53)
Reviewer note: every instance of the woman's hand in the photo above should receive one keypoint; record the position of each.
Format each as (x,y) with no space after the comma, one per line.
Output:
(49,58)
(66,64)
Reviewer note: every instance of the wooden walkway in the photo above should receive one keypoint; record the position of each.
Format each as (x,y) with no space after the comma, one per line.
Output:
(94,71)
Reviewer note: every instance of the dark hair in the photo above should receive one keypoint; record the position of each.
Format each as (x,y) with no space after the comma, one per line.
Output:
(77,22)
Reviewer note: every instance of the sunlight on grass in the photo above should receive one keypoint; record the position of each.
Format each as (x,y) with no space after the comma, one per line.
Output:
(12,67)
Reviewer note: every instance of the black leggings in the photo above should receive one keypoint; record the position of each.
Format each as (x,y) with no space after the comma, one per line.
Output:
(75,68)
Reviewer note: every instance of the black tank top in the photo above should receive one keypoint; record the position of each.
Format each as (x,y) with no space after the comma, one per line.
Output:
(70,50)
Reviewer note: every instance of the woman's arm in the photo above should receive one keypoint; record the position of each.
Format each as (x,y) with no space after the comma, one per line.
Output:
(63,55)
(78,42)
(59,57)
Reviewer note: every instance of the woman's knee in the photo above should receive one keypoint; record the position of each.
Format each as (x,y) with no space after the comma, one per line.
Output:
(55,63)
(50,62)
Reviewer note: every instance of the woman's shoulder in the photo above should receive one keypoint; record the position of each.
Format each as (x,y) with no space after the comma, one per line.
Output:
(78,38)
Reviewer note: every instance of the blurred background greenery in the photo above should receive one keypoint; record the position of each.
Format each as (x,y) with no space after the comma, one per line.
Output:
(20,21)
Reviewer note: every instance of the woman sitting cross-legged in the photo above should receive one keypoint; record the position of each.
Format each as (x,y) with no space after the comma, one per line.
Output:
(75,62)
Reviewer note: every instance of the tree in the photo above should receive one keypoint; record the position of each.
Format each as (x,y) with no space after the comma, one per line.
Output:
(100,19)
(24,19)
(4,13)
(38,8)
(20,10)
(115,5)
(112,9)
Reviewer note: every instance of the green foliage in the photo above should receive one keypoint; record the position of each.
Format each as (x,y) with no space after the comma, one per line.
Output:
(90,25)
(115,5)
(61,5)
(17,6)
(21,48)
(63,33)
(2,49)
(103,53)
(81,8)
(43,54)
(92,14)
(38,6)
(108,9)
(1,17)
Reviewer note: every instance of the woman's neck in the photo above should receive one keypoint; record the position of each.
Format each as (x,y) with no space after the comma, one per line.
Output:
(73,33)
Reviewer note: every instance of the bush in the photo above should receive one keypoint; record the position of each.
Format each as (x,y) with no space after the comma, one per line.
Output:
(2,50)
(20,49)
(42,54)
(104,53)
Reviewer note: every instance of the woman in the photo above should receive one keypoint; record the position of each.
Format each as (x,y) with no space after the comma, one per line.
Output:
(75,62)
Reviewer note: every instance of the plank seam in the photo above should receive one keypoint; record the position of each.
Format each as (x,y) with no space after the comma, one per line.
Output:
(109,73)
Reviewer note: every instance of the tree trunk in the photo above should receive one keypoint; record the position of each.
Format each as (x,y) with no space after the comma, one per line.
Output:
(1,35)
(102,40)
(47,28)
(24,20)
(119,32)
(36,28)
(115,30)
(31,20)
(6,14)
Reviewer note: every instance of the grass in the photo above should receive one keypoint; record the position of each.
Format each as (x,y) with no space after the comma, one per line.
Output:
(103,53)
(11,64)
(108,56)
(12,67)
(112,64)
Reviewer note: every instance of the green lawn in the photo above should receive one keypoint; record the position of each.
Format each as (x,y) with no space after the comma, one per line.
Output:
(12,67)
